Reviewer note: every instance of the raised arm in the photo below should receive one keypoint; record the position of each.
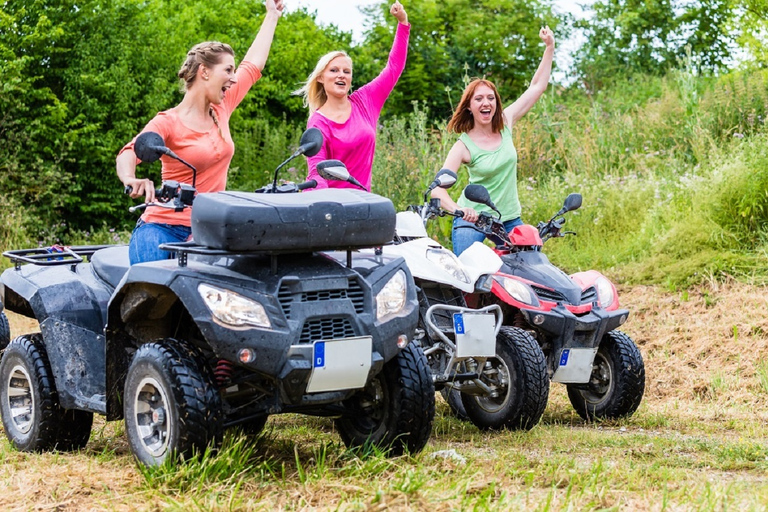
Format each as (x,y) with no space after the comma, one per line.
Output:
(259,51)
(379,88)
(539,83)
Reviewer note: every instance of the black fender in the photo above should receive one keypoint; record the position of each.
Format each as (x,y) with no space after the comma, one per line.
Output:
(69,302)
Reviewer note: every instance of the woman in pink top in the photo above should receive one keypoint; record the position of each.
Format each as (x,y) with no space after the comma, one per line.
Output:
(348,121)
(197,130)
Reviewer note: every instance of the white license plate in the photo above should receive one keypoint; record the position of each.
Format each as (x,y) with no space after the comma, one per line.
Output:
(475,334)
(340,364)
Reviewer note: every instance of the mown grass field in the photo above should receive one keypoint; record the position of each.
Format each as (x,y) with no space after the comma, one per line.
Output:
(699,441)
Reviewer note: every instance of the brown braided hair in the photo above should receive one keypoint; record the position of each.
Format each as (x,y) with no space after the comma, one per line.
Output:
(208,54)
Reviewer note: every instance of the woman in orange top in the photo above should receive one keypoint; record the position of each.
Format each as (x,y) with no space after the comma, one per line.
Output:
(197,130)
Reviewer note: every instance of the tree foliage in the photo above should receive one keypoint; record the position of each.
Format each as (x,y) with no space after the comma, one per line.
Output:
(79,78)
(451,39)
(82,77)
(626,37)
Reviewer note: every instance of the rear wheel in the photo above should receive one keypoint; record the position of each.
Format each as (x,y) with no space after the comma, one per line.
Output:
(395,410)
(518,375)
(171,405)
(32,417)
(617,384)
(5,331)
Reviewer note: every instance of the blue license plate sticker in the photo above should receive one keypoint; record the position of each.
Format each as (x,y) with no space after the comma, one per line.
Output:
(564,357)
(319,356)
(458,323)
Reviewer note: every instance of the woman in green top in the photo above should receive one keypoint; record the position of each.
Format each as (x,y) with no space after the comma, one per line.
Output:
(485,146)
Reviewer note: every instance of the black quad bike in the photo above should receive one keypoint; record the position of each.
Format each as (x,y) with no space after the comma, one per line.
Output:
(574,318)
(270,310)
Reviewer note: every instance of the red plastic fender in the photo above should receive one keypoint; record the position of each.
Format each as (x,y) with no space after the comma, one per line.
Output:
(525,235)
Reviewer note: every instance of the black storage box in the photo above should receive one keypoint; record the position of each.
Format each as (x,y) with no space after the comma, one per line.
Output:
(311,221)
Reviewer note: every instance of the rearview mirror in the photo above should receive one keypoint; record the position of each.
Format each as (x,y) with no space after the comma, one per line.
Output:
(333,170)
(478,194)
(572,202)
(149,147)
(445,178)
(311,141)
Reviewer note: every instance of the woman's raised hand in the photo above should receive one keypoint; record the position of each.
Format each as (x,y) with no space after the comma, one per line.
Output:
(547,36)
(398,11)
(275,6)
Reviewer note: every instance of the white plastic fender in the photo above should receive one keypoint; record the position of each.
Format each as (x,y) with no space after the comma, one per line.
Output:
(479,260)
(409,224)
(415,254)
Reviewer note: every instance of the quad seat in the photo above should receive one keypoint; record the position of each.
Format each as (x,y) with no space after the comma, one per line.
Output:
(111,264)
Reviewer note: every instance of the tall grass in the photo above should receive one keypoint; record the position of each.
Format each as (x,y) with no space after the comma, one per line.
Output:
(673,170)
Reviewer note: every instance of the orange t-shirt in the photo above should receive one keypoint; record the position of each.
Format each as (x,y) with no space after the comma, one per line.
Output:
(210,152)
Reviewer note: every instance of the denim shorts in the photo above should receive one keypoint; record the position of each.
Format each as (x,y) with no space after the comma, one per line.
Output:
(464,237)
(147,237)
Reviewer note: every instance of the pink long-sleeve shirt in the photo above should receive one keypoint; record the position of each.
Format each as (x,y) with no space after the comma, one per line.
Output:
(354,141)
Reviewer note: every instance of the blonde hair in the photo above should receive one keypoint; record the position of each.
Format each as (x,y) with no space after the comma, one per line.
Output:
(208,54)
(312,91)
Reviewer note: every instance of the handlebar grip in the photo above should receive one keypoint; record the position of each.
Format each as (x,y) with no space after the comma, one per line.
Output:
(128,189)
(459,214)
(307,184)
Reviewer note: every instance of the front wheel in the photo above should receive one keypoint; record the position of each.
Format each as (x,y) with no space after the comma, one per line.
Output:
(5,331)
(395,410)
(518,376)
(617,383)
(171,405)
(29,404)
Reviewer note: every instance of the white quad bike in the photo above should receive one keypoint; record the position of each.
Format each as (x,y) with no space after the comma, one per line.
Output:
(488,373)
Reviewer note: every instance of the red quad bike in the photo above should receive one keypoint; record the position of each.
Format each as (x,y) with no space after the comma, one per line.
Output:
(574,318)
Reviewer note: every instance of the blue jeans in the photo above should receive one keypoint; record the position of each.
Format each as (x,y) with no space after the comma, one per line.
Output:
(147,237)
(466,236)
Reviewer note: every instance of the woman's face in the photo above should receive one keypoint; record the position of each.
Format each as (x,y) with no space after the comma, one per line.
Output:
(218,79)
(337,77)
(483,104)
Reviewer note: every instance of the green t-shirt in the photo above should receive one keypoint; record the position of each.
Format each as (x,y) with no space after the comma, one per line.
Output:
(497,172)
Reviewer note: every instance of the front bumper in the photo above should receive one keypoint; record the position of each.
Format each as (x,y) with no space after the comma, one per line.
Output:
(570,339)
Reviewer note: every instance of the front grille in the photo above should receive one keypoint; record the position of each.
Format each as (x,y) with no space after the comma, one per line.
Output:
(589,295)
(549,295)
(326,329)
(354,292)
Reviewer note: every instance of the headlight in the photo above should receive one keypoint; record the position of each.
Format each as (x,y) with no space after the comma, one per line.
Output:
(448,261)
(604,291)
(232,309)
(391,299)
(518,290)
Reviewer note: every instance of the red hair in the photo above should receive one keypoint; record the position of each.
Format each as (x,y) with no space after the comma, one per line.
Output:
(462,120)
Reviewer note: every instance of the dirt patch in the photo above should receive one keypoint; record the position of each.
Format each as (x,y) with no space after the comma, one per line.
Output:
(704,344)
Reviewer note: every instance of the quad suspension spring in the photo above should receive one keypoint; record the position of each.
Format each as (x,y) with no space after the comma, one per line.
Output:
(223,372)
(519,321)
